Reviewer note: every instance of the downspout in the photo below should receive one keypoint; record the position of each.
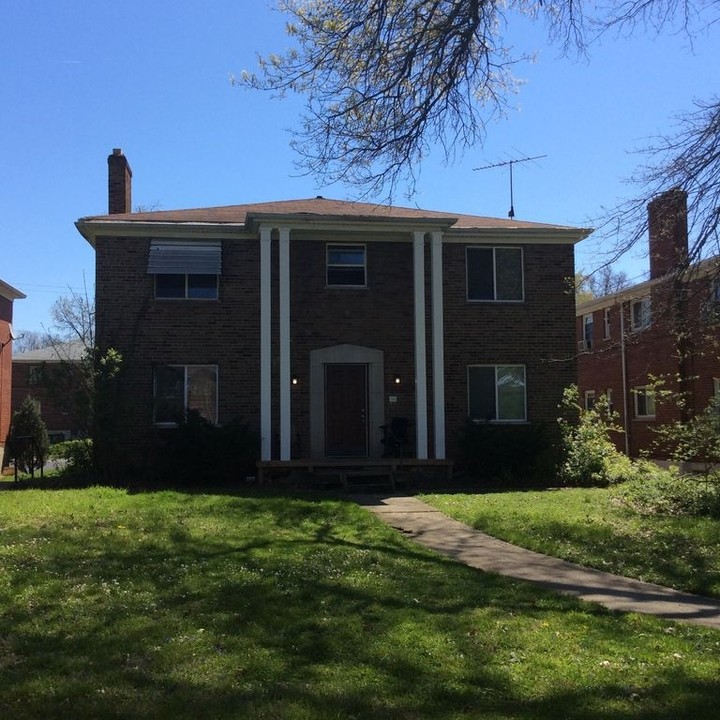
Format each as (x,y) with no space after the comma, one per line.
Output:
(623,364)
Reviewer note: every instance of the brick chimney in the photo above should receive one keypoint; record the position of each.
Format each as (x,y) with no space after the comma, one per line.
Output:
(119,183)
(668,232)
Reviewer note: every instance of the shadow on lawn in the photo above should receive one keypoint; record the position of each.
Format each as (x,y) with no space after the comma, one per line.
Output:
(253,606)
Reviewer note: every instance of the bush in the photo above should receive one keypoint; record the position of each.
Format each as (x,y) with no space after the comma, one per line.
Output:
(28,441)
(590,456)
(514,454)
(76,453)
(198,451)
(666,492)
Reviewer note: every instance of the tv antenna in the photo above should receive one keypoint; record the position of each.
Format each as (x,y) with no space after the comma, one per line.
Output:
(511,214)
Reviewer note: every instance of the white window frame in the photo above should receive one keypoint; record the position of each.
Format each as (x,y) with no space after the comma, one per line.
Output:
(609,396)
(494,299)
(498,368)
(185,259)
(649,396)
(588,329)
(328,264)
(186,386)
(644,319)
(589,399)
(606,324)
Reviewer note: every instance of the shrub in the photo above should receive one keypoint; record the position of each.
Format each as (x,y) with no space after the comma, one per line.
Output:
(198,451)
(666,492)
(517,454)
(76,453)
(27,440)
(590,456)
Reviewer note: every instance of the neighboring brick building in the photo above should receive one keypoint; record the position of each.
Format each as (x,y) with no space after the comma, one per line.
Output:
(48,376)
(8,295)
(666,327)
(316,321)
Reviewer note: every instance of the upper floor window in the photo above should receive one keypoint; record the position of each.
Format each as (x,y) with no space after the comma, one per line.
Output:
(497,393)
(640,316)
(606,324)
(185,269)
(495,274)
(36,375)
(347,265)
(179,388)
(587,338)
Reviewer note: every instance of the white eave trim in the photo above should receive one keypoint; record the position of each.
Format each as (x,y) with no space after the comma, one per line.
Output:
(518,236)
(92,229)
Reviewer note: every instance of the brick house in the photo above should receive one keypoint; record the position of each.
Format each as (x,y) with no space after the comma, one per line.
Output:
(317,321)
(35,372)
(665,327)
(8,295)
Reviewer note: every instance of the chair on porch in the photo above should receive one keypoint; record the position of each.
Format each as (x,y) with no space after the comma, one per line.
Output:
(395,436)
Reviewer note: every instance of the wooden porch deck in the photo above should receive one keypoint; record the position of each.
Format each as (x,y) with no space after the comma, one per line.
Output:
(349,468)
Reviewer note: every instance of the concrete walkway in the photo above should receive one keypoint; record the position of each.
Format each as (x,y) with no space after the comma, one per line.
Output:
(435,530)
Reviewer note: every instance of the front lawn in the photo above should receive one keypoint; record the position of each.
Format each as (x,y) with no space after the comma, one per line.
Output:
(179,605)
(590,527)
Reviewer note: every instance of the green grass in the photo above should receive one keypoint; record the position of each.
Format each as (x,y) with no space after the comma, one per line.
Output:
(178,605)
(589,527)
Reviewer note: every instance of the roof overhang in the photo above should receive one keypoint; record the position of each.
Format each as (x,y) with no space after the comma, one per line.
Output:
(10,293)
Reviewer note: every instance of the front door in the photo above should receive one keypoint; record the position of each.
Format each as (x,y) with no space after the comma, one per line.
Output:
(346,410)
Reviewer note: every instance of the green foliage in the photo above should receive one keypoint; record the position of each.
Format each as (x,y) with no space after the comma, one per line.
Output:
(106,373)
(667,492)
(591,457)
(697,439)
(198,451)
(512,454)
(27,440)
(77,455)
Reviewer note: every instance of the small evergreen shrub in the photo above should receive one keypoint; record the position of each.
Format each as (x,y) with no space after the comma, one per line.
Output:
(511,454)
(27,440)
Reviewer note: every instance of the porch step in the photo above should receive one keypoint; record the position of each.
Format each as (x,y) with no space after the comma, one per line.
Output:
(375,478)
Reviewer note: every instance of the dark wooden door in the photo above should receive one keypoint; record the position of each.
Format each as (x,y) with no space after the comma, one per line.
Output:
(346,410)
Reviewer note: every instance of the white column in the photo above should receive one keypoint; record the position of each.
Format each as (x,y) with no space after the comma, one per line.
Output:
(420,346)
(438,345)
(284,290)
(265,345)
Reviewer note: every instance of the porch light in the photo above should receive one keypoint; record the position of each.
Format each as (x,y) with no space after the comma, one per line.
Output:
(397,379)
(294,380)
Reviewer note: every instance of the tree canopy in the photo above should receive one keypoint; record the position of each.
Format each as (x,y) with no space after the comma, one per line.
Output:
(386,80)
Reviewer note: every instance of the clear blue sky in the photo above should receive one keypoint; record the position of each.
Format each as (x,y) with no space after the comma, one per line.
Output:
(78,78)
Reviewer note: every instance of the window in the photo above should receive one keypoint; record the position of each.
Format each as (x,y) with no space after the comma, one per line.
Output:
(36,375)
(496,393)
(606,324)
(589,399)
(644,403)
(587,331)
(179,388)
(609,396)
(184,269)
(640,313)
(494,274)
(346,265)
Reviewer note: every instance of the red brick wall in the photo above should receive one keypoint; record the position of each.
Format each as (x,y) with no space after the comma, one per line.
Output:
(537,333)
(5,371)
(654,351)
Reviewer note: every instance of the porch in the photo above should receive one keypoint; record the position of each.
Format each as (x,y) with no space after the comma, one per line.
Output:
(349,471)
